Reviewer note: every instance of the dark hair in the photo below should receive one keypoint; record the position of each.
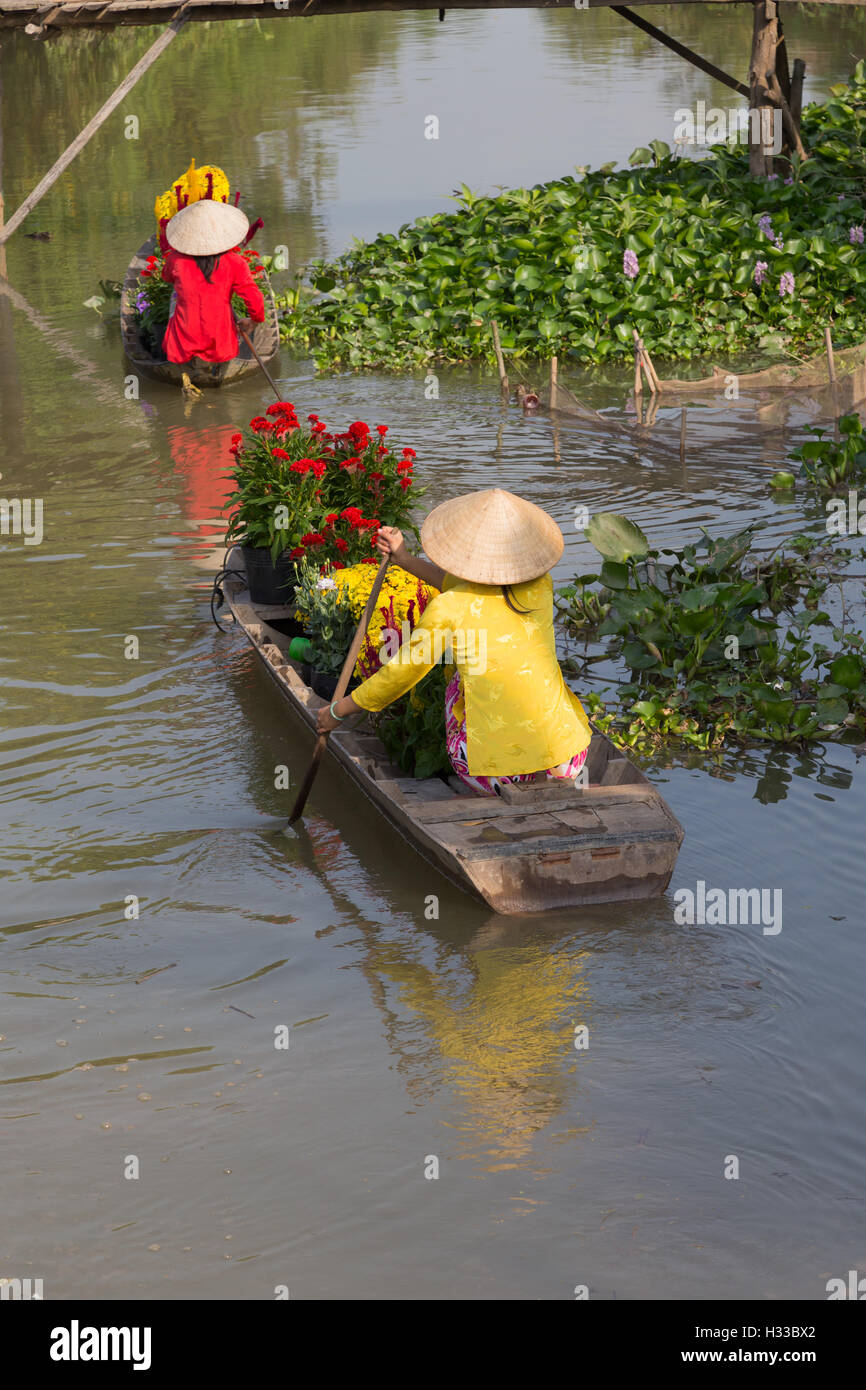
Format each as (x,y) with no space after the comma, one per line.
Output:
(207,265)
(509,599)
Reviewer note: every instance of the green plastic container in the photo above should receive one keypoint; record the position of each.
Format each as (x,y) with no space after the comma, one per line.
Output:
(301,649)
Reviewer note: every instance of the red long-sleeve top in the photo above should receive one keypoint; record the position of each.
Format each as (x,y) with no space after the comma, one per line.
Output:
(202,324)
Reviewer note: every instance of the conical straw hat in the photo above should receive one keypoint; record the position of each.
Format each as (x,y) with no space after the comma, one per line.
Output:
(206,228)
(492,537)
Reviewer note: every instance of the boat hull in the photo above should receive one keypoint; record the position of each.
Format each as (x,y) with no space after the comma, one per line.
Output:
(537,847)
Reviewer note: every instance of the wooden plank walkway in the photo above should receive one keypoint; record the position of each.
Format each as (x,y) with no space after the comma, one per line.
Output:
(106,14)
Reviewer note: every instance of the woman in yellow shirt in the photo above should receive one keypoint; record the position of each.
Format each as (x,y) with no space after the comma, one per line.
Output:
(508,712)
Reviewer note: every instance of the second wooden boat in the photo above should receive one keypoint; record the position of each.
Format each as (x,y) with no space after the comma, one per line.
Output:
(537,846)
(265,338)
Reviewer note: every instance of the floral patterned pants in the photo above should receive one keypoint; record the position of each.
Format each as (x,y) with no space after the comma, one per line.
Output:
(455,737)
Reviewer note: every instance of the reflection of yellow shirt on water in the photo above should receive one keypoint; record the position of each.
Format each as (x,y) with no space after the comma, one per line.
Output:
(520,715)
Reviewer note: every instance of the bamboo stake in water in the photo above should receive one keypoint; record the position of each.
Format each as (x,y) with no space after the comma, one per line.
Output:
(342,683)
(500,361)
(554,377)
(831,368)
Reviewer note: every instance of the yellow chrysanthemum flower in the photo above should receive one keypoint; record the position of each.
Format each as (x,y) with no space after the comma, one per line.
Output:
(399,585)
(192,186)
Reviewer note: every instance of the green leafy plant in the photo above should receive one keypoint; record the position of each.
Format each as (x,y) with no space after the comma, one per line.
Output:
(829,463)
(329,621)
(720,263)
(413,728)
(717,640)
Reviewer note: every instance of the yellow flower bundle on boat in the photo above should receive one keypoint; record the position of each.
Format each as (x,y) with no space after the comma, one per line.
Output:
(195,184)
(402,600)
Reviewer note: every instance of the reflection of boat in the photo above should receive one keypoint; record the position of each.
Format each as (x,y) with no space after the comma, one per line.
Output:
(265,337)
(536,846)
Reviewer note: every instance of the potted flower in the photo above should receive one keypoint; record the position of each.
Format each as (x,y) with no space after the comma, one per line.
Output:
(302,492)
(329,623)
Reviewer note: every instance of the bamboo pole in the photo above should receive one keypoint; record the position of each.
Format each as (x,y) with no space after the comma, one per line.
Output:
(62,164)
(797,90)
(642,357)
(831,361)
(554,375)
(831,371)
(648,364)
(504,389)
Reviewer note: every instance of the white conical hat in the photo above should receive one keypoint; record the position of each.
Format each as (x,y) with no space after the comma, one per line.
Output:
(206,228)
(492,537)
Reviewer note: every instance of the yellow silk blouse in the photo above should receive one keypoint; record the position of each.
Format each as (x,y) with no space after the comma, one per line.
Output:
(520,715)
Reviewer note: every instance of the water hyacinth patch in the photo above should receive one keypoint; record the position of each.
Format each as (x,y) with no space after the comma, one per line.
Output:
(550,263)
(671,616)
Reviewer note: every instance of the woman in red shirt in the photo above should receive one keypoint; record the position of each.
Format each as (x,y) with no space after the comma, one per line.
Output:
(206,271)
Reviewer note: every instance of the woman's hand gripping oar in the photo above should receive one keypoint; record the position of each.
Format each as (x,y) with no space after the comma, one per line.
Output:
(342,683)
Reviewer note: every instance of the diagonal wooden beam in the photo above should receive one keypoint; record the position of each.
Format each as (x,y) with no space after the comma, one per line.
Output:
(93,125)
(679,48)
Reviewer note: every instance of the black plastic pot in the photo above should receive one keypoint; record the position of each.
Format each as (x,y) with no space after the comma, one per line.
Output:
(269,582)
(323,684)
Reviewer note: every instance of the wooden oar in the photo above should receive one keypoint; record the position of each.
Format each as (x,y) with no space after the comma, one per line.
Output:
(249,342)
(345,677)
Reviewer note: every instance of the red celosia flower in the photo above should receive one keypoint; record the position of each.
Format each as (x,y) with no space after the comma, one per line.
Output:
(301,466)
(331,518)
(353,516)
(380,452)
(405,466)
(337,565)
(258,423)
(237,439)
(312,538)
(319,467)
(358,427)
(408,453)
(280,454)
(298,553)
(341,545)
(382,430)
(375,477)
(405,482)
(312,417)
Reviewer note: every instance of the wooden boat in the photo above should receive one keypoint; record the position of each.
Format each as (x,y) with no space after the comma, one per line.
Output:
(265,337)
(537,846)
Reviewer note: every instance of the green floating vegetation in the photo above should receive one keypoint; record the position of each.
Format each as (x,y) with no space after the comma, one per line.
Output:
(829,464)
(718,642)
(696,255)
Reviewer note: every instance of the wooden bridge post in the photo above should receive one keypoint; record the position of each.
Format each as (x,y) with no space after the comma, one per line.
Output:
(765,34)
